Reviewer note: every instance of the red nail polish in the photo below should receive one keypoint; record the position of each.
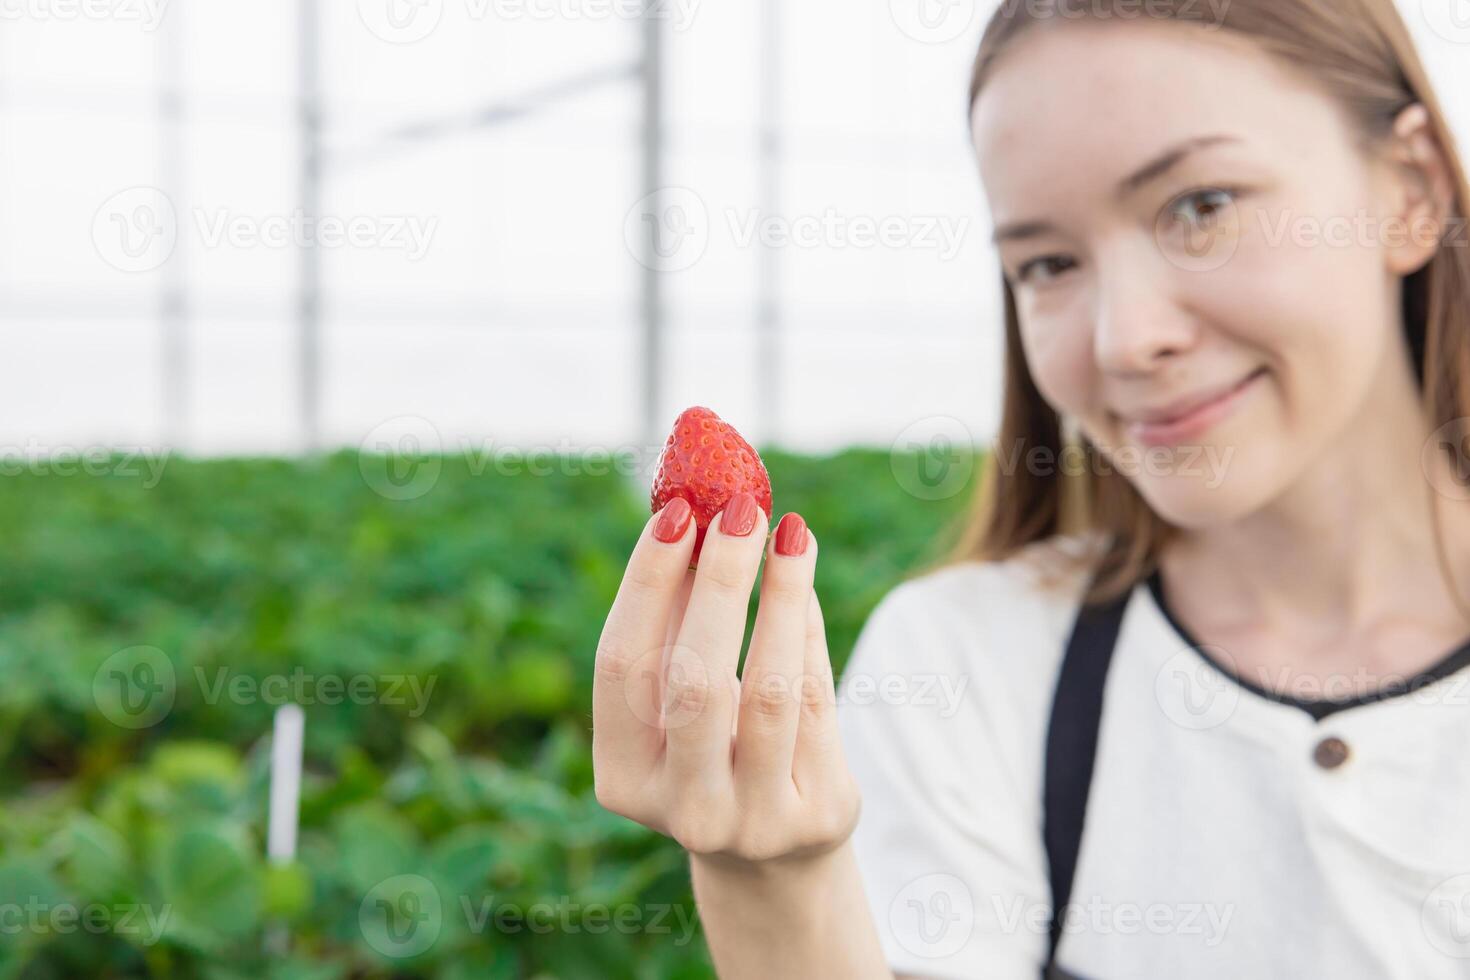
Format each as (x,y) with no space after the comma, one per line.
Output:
(738,517)
(672,521)
(791,536)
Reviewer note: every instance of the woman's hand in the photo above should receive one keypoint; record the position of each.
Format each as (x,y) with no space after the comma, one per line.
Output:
(740,771)
(747,774)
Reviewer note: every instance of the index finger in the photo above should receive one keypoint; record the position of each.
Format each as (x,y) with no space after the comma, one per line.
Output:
(626,689)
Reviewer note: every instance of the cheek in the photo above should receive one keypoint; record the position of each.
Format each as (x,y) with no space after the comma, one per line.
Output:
(1314,312)
(1059,353)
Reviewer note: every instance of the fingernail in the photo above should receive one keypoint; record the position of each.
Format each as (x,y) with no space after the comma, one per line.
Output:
(738,516)
(672,521)
(791,536)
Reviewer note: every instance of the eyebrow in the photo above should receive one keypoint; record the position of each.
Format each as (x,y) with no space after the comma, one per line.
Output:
(1147,174)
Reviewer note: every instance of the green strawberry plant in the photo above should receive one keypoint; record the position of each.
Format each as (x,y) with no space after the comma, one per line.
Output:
(230,585)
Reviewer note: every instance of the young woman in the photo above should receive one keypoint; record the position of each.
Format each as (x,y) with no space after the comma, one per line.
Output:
(1206,655)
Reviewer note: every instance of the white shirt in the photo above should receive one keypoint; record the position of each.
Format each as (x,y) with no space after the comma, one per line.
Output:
(1216,844)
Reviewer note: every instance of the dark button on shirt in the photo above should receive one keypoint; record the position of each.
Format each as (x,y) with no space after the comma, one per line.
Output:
(1330,753)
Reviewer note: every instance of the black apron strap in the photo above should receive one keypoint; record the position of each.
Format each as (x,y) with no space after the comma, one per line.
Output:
(1071,747)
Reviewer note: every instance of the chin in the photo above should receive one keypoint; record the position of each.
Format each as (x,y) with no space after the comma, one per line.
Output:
(1219,495)
(1191,511)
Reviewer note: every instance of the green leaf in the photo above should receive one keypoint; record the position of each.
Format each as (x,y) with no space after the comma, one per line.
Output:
(374,843)
(467,858)
(98,863)
(210,886)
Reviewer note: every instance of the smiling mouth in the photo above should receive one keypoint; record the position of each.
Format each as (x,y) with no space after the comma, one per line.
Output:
(1167,431)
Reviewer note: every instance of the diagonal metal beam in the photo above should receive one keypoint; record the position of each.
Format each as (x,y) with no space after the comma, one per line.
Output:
(521,106)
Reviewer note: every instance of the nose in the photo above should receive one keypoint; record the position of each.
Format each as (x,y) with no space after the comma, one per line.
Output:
(1139,320)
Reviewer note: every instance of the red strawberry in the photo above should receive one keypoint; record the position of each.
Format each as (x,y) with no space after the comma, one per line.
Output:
(706,462)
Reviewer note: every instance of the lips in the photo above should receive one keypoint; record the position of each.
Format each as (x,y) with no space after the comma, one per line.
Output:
(1179,408)
(1183,417)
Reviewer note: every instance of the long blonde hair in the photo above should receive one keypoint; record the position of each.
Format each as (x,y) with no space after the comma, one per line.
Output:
(1361,52)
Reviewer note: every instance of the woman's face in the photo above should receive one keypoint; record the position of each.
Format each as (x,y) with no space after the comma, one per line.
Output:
(1199,257)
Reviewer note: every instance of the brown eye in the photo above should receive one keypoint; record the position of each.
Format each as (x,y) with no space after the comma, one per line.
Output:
(1203,208)
(1048,267)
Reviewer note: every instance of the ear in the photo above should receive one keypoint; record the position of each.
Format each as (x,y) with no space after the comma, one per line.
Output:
(1422,192)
